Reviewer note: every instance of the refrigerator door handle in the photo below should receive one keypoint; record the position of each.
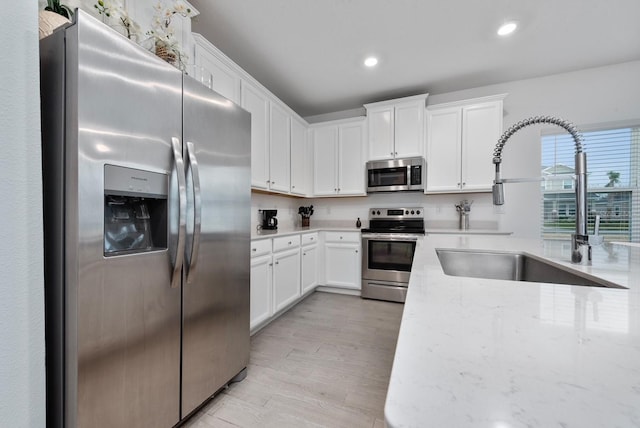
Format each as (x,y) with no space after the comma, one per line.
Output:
(182,221)
(197,213)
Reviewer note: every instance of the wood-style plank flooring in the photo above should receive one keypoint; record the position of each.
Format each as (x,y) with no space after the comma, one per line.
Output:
(325,363)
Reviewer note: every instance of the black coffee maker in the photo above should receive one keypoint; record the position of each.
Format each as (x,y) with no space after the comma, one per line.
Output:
(269,220)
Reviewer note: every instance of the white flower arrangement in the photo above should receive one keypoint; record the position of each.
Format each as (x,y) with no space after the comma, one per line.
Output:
(166,45)
(115,15)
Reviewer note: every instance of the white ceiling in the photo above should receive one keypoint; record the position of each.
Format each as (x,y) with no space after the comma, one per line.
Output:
(309,52)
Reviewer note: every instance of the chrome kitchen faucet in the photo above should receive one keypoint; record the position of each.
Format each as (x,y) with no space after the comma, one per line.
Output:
(580,240)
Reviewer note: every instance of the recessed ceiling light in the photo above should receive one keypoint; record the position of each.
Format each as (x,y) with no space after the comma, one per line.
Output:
(371,61)
(508,28)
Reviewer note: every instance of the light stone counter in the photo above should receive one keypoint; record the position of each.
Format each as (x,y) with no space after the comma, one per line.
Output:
(319,226)
(501,354)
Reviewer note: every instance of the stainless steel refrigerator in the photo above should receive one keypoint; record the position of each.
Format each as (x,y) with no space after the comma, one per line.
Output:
(147,202)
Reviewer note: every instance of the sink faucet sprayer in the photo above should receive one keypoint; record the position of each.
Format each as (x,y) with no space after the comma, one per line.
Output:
(580,240)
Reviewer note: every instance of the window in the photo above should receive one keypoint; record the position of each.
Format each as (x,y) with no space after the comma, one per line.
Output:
(613,176)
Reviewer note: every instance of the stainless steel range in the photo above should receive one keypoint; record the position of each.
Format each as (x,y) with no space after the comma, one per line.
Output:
(388,246)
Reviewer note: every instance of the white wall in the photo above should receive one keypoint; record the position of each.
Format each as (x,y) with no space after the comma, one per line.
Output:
(22,370)
(587,97)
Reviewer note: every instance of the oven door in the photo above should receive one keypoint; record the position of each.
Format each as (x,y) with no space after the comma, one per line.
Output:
(387,257)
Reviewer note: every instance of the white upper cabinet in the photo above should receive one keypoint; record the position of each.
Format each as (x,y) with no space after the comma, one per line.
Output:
(256,102)
(325,151)
(212,68)
(338,160)
(299,167)
(279,149)
(461,137)
(396,128)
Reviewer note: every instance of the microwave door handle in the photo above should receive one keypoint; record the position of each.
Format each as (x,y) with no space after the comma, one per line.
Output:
(197,213)
(178,258)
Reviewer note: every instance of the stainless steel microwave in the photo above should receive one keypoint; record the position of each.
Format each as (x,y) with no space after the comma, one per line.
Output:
(396,175)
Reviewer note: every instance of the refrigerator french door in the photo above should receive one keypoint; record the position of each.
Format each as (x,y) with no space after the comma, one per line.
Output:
(147,196)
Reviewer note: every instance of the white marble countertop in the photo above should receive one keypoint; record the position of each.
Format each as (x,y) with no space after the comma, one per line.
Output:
(502,354)
(285,231)
(454,231)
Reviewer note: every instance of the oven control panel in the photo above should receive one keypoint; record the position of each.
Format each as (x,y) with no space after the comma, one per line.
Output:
(396,213)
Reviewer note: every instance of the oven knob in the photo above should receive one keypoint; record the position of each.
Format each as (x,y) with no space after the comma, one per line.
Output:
(412,212)
(418,212)
(373,213)
(378,212)
(406,212)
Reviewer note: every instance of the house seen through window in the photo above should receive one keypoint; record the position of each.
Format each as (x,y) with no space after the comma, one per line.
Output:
(613,178)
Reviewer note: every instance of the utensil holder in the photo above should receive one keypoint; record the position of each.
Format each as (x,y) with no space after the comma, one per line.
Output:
(305,221)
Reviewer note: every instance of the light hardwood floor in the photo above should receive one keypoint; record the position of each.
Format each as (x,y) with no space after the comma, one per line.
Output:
(325,363)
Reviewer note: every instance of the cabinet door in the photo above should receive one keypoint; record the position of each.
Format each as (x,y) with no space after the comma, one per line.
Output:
(350,163)
(309,268)
(325,171)
(286,278)
(257,103)
(298,157)
(342,265)
(409,129)
(381,125)
(443,149)
(280,149)
(261,290)
(209,67)
(481,129)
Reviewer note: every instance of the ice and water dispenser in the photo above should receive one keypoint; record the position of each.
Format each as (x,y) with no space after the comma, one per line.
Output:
(135,210)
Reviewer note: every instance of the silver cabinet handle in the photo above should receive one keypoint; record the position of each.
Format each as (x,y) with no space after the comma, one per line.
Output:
(192,259)
(178,257)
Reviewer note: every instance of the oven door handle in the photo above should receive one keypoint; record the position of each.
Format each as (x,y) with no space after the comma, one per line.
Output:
(390,236)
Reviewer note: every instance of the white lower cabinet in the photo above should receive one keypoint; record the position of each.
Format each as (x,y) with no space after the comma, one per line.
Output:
(261,290)
(309,264)
(342,260)
(286,278)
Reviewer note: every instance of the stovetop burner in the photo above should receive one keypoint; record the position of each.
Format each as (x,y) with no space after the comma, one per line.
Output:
(396,220)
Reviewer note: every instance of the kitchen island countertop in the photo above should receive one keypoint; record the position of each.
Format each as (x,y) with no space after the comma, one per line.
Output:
(492,353)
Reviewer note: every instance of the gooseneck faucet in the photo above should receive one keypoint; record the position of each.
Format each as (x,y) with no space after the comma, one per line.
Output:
(580,244)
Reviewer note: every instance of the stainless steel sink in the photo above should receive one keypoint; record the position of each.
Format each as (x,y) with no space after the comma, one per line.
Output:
(512,267)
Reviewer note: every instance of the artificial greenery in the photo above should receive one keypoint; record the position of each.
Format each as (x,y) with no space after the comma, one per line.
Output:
(60,9)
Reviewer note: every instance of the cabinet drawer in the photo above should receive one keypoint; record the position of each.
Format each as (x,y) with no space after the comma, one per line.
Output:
(351,237)
(285,242)
(309,238)
(260,247)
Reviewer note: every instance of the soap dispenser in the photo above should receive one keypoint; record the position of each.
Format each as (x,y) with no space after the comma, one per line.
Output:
(358,223)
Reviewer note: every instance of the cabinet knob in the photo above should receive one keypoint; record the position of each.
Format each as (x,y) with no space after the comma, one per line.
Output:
(270,264)
(268,182)
(311,238)
(341,237)
(335,190)
(293,187)
(273,182)
(289,242)
(277,263)
(391,153)
(395,153)
(338,190)
(304,254)
(356,251)
(254,249)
